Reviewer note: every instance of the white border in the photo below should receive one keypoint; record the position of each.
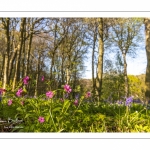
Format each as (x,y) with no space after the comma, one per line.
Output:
(74,5)
(74,141)
(75,135)
(134,8)
(74,14)
(81,144)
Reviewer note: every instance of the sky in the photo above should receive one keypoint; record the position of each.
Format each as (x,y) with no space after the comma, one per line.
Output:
(135,66)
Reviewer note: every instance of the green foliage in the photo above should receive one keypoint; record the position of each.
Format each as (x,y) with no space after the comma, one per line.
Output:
(113,85)
(136,86)
(64,116)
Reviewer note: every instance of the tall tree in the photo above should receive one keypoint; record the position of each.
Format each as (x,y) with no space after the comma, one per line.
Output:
(125,35)
(92,29)
(147,78)
(100,58)
(19,50)
(33,29)
(6,26)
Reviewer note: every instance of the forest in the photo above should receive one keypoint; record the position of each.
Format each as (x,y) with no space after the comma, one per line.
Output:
(42,65)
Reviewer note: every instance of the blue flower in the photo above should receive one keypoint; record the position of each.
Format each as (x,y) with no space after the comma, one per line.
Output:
(77,96)
(119,102)
(129,101)
(66,95)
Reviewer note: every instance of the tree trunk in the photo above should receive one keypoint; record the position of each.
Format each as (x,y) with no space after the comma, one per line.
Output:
(12,59)
(37,76)
(100,60)
(5,74)
(53,58)
(62,69)
(6,61)
(2,69)
(13,50)
(28,55)
(21,49)
(18,58)
(93,54)
(147,78)
(125,76)
(67,75)
(24,56)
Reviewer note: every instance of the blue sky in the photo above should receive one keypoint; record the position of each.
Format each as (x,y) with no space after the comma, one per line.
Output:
(135,66)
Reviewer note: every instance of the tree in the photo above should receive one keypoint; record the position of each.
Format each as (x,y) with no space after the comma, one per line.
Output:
(136,86)
(100,58)
(19,50)
(6,26)
(147,78)
(125,35)
(113,81)
(92,31)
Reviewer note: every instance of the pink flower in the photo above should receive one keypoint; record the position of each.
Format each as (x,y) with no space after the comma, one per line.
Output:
(61,100)
(9,102)
(42,78)
(26,80)
(76,102)
(67,88)
(2,90)
(41,119)
(88,94)
(49,94)
(22,103)
(19,92)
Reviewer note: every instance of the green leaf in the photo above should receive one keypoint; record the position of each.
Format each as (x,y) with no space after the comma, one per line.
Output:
(57,109)
(27,115)
(47,118)
(79,111)
(66,105)
(19,109)
(24,90)
(60,130)
(32,128)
